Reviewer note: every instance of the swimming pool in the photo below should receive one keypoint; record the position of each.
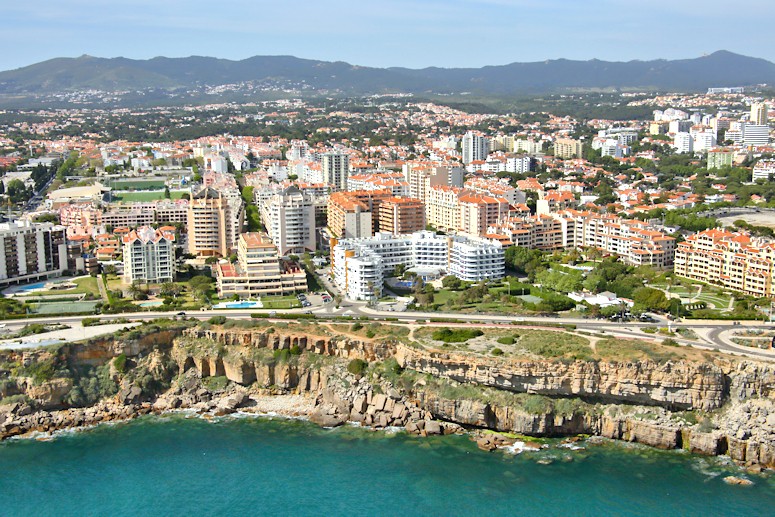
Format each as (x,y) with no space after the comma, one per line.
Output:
(238,305)
(154,303)
(32,287)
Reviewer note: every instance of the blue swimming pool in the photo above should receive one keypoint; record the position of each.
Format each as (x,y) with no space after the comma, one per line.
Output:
(32,287)
(237,305)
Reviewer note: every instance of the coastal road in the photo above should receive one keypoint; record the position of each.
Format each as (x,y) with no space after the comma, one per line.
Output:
(714,334)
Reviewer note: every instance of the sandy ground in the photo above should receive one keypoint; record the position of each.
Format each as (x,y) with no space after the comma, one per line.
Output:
(756,219)
(75,333)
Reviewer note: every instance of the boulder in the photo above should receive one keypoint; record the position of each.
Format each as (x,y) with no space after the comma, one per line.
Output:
(432,427)
(323,419)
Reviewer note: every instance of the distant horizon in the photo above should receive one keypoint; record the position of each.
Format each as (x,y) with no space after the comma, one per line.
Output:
(382,67)
(397,33)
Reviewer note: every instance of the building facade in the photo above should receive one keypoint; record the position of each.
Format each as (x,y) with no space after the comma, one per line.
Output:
(31,251)
(149,256)
(359,265)
(289,219)
(259,271)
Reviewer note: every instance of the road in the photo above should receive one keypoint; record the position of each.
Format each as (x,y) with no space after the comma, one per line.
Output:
(714,334)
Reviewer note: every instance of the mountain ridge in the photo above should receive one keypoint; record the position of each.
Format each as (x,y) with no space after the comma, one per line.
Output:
(62,74)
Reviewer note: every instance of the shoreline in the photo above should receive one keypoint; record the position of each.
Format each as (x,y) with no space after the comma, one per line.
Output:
(301,407)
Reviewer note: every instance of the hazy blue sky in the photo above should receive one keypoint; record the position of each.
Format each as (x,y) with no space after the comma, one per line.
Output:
(411,33)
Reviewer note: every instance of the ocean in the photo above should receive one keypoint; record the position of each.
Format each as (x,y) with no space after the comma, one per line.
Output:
(184,465)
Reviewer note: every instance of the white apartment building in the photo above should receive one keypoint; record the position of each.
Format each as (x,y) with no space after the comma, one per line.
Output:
(31,251)
(683,143)
(764,169)
(289,219)
(475,147)
(149,256)
(756,134)
(359,265)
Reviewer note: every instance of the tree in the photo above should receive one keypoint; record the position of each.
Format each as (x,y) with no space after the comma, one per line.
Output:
(167,194)
(170,289)
(650,299)
(16,191)
(451,282)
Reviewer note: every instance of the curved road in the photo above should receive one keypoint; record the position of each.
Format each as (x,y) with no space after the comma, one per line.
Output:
(711,331)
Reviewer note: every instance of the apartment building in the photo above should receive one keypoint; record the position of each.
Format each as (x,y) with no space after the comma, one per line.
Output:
(764,169)
(214,221)
(149,255)
(423,176)
(393,181)
(401,215)
(31,251)
(759,113)
(289,219)
(259,271)
(496,188)
(335,168)
(720,157)
(346,212)
(733,260)
(635,242)
(348,217)
(464,211)
(475,147)
(566,148)
(359,265)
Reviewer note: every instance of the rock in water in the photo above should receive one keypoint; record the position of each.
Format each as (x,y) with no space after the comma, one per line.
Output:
(323,419)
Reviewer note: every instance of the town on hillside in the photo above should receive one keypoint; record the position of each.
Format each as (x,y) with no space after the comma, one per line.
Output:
(393,202)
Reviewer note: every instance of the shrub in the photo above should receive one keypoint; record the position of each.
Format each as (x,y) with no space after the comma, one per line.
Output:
(215,384)
(357,366)
(455,336)
(356,327)
(370,334)
(282,356)
(506,340)
(119,363)
(670,342)
(217,320)
(496,351)
(295,350)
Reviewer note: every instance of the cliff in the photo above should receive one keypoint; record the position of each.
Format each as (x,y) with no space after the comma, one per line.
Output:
(710,408)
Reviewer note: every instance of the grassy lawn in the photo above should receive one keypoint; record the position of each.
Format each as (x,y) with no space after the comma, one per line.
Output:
(87,285)
(280,302)
(155,195)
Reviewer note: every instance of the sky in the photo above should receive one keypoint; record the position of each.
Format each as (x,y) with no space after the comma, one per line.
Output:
(408,33)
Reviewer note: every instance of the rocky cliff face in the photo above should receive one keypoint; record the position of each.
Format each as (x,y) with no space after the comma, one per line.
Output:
(733,407)
(673,385)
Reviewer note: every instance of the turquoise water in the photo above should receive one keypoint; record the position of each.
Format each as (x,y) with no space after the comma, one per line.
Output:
(175,465)
(237,305)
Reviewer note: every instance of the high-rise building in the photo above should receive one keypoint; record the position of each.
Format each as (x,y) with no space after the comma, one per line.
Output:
(31,251)
(475,147)
(759,113)
(289,218)
(149,256)
(214,222)
(335,169)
